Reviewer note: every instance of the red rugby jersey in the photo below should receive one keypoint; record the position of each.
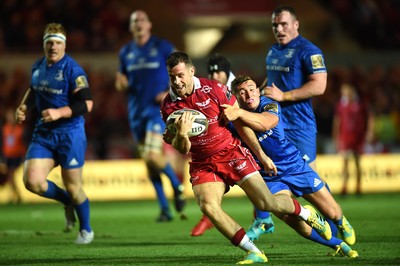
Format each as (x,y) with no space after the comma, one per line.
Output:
(207,97)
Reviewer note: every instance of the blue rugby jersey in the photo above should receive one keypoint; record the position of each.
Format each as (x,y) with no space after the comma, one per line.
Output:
(147,75)
(288,67)
(53,86)
(276,146)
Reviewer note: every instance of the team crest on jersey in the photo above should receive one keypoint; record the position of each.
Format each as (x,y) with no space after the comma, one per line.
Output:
(271,107)
(317,61)
(204,104)
(290,53)
(205,89)
(131,55)
(59,76)
(81,82)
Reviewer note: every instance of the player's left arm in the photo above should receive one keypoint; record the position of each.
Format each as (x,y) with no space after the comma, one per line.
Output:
(257,121)
(81,103)
(315,86)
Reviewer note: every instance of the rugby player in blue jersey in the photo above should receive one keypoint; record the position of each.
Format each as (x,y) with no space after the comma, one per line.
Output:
(296,72)
(60,91)
(143,74)
(294,175)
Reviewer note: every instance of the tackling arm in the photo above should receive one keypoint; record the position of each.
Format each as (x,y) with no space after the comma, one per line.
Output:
(249,137)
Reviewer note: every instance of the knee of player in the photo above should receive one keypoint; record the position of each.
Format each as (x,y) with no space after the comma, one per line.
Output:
(34,185)
(208,207)
(332,212)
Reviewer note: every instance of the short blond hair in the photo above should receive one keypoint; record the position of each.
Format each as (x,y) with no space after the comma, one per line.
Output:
(54,28)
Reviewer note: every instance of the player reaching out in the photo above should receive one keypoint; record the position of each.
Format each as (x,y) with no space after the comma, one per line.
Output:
(295,176)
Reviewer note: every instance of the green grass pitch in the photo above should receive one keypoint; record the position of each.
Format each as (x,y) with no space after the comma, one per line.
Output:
(126,234)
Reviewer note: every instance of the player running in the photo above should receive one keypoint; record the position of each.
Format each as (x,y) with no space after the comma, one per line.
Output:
(60,91)
(218,159)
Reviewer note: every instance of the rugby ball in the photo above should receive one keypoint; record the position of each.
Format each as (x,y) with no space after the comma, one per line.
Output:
(200,124)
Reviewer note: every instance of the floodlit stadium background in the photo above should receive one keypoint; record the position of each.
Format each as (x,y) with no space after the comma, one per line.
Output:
(360,39)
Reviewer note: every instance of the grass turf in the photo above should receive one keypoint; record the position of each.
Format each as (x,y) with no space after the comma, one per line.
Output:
(126,234)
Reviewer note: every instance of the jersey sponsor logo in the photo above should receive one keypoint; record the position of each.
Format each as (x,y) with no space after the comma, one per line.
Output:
(44,87)
(59,76)
(73,162)
(271,107)
(278,68)
(316,182)
(266,135)
(204,104)
(317,61)
(81,82)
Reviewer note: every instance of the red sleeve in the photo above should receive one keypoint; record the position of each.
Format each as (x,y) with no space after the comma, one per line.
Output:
(164,108)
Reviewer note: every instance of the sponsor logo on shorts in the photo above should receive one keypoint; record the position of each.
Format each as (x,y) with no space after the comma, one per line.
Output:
(241,166)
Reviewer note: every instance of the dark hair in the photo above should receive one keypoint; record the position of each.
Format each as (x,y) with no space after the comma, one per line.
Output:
(237,81)
(217,63)
(178,57)
(281,9)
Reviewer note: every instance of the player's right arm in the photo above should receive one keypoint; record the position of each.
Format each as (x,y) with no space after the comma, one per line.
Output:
(121,81)
(181,140)
(249,137)
(26,103)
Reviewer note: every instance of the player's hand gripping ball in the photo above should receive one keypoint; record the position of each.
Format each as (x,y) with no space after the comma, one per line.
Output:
(200,124)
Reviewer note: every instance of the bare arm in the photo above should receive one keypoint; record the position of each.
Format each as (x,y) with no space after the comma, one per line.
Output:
(121,82)
(53,114)
(256,121)
(24,106)
(315,86)
(181,141)
(249,137)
